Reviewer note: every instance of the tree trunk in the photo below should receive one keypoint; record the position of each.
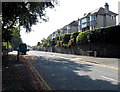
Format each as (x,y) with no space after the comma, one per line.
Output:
(7,47)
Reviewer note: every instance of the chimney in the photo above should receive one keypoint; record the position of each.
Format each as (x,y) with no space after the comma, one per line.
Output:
(106,8)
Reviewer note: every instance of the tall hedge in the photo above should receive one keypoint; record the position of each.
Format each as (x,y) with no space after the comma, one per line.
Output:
(83,37)
(106,35)
(103,35)
(65,38)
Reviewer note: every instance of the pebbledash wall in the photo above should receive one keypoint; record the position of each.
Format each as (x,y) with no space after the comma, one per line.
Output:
(93,49)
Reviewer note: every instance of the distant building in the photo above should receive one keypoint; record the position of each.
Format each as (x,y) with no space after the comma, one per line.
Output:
(72,27)
(101,17)
(119,12)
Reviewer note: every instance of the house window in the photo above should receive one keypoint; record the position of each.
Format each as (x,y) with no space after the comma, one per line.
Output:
(93,17)
(84,22)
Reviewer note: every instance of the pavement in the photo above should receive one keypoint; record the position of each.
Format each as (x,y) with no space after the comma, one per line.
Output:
(16,75)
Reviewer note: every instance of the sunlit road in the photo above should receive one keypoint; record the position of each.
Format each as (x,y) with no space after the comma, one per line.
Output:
(68,72)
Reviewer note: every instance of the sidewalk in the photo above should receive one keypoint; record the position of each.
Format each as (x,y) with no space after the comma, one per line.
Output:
(16,75)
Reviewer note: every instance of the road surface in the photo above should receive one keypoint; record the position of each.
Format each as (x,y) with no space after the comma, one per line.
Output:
(70,72)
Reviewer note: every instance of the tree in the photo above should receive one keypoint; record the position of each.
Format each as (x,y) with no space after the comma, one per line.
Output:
(16,39)
(38,44)
(23,14)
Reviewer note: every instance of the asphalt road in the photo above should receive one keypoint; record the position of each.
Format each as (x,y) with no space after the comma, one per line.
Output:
(70,72)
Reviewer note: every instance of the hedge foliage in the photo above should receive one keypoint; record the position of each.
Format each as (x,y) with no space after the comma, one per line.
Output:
(100,35)
(83,37)
(106,35)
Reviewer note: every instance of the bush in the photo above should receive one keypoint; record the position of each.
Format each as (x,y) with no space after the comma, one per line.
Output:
(4,44)
(106,35)
(52,42)
(74,35)
(83,37)
(65,45)
(59,43)
(71,42)
(65,38)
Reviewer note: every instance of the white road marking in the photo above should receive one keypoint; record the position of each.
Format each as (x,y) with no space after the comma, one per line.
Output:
(109,78)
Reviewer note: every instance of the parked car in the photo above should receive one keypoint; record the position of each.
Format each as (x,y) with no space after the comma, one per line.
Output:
(23,48)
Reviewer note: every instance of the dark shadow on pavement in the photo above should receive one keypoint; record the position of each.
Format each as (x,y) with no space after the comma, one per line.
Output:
(59,74)
(16,75)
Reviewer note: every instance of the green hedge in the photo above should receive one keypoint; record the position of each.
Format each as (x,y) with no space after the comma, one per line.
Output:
(103,35)
(106,35)
(65,38)
(83,37)
(100,35)
(74,35)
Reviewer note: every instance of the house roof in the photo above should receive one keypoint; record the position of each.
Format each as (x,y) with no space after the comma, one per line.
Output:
(101,11)
(64,28)
(74,23)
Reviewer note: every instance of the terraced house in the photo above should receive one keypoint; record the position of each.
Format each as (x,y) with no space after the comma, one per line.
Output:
(101,17)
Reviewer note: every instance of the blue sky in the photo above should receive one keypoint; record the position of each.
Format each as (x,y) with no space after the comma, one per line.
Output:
(66,12)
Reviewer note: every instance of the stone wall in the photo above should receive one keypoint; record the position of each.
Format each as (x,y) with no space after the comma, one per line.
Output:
(93,49)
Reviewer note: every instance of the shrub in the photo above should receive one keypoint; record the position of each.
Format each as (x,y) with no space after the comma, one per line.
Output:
(71,42)
(65,38)
(4,44)
(83,37)
(65,45)
(106,35)
(59,43)
(74,35)
(52,42)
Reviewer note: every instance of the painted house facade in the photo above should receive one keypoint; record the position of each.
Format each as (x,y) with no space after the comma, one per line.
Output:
(72,27)
(101,17)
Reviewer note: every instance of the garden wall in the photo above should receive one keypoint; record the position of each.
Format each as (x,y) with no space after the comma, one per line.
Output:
(93,49)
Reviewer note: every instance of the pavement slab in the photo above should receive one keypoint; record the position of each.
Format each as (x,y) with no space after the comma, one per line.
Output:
(16,75)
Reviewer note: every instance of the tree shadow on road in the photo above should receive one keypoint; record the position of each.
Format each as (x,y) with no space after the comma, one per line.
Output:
(62,74)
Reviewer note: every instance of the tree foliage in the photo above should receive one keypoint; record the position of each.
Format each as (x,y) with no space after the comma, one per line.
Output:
(25,13)
(16,39)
